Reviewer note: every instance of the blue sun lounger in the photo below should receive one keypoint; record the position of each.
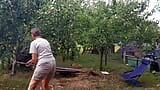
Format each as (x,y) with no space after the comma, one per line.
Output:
(136,73)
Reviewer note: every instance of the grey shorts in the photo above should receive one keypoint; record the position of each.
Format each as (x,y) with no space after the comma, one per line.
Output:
(44,70)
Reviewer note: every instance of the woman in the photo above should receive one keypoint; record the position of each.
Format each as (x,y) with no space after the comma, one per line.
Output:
(44,60)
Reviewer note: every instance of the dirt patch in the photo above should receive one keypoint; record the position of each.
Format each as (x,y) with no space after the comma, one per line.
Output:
(85,80)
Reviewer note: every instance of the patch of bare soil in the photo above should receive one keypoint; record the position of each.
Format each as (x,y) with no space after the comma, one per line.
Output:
(85,80)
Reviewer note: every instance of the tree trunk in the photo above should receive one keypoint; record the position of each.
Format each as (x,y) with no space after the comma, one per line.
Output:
(101,59)
(14,58)
(109,53)
(124,57)
(73,54)
(2,65)
(63,56)
(84,50)
(106,57)
(13,65)
(68,53)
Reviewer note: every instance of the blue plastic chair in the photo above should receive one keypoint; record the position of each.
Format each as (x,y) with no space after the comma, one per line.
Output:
(136,73)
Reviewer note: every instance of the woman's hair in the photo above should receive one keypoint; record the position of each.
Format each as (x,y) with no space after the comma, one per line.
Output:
(36,31)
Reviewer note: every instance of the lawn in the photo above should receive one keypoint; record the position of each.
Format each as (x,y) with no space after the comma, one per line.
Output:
(109,82)
(115,67)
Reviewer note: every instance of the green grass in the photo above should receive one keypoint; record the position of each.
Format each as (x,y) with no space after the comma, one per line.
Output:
(115,65)
(86,61)
(150,79)
(0,71)
(18,82)
(92,61)
(112,82)
(12,84)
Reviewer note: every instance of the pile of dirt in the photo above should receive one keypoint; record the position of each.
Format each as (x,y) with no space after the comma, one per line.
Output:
(84,80)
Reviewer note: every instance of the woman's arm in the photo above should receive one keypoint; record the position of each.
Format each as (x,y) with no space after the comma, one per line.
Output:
(34,59)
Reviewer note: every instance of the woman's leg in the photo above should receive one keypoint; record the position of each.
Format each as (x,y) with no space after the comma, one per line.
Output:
(33,84)
(45,83)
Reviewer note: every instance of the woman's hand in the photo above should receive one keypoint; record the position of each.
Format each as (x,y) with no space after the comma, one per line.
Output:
(29,63)
(33,61)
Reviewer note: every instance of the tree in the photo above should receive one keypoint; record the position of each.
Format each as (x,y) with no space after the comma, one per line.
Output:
(114,23)
(57,21)
(15,24)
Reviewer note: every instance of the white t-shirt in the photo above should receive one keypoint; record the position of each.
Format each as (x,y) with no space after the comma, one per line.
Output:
(42,48)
